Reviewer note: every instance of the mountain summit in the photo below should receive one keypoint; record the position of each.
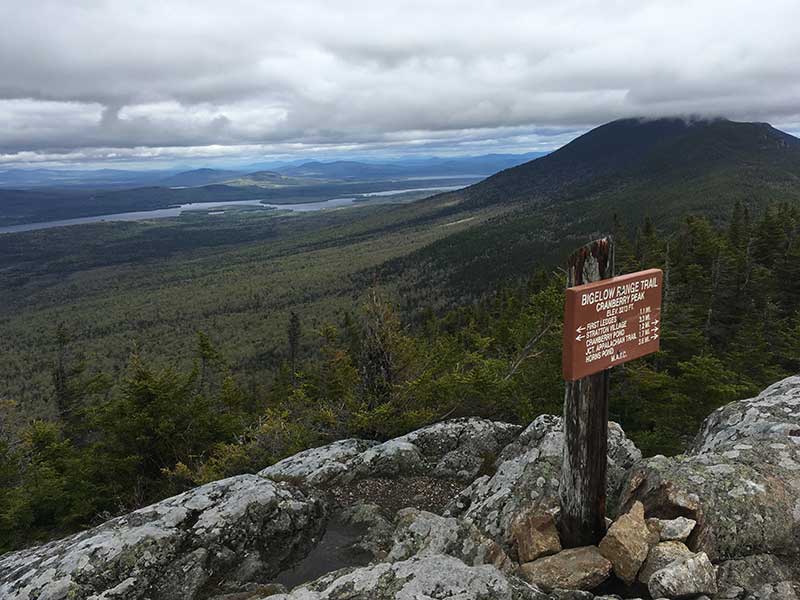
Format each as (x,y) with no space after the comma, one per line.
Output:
(703,161)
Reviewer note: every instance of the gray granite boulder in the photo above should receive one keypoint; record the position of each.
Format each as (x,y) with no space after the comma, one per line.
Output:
(242,529)
(420,533)
(740,482)
(455,449)
(687,577)
(773,414)
(433,576)
(751,574)
(317,466)
(526,478)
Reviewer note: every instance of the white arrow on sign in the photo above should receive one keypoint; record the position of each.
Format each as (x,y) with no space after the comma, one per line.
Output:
(581,328)
(655,336)
(579,338)
(655,322)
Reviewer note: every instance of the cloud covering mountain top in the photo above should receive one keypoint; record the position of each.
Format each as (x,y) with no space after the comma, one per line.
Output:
(89,80)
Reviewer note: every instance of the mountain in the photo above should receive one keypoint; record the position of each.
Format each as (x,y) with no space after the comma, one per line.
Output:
(343,169)
(407,168)
(654,157)
(664,169)
(197,177)
(77,178)
(295,173)
(272,179)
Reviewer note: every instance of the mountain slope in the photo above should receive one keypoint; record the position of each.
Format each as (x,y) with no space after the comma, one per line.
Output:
(661,151)
(664,169)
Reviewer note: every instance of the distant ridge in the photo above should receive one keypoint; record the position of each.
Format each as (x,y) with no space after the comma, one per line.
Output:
(197,177)
(411,167)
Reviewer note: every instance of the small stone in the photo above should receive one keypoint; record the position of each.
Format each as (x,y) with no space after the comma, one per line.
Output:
(574,569)
(627,543)
(535,535)
(672,530)
(684,578)
(660,556)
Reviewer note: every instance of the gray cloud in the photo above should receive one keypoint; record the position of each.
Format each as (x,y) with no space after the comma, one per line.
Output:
(185,78)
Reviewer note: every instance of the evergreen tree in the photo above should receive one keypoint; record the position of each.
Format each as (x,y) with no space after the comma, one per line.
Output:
(293,334)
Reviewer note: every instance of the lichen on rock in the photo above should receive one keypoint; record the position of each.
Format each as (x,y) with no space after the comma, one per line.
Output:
(740,481)
(434,576)
(243,528)
(527,478)
(684,578)
(317,466)
(420,533)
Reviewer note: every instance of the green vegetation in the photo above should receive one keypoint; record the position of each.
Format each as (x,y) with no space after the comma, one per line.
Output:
(143,358)
(120,441)
(155,284)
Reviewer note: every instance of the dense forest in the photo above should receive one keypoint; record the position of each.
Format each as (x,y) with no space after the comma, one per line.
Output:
(119,440)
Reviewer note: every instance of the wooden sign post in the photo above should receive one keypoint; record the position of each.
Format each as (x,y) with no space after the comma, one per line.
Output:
(607,321)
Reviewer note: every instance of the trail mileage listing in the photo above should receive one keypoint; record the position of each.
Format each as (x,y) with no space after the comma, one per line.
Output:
(610,322)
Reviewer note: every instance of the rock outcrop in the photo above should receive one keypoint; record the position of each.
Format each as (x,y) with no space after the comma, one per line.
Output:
(435,576)
(740,482)
(376,525)
(721,521)
(750,574)
(456,449)
(317,466)
(242,529)
(421,533)
(526,479)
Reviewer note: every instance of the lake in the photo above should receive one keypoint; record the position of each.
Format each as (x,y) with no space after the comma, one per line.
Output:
(175,211)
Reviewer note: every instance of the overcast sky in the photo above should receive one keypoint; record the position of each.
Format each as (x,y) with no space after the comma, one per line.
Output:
(92,82)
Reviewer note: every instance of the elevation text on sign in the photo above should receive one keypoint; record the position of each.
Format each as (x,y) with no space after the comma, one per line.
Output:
(612,321)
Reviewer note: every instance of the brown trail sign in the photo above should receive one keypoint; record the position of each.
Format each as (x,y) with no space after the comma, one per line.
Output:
(612,321)
(608,321)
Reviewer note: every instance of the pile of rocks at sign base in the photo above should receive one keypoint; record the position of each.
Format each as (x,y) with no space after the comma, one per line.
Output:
(466,509)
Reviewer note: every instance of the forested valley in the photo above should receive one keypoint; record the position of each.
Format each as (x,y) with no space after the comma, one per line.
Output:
(120,439)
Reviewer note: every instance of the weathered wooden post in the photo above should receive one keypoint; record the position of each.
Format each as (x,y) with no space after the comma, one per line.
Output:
(583,473)
(607,322)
